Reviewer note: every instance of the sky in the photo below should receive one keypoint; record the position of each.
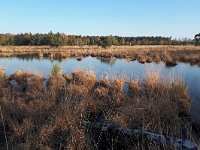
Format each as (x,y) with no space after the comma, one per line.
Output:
(176,18)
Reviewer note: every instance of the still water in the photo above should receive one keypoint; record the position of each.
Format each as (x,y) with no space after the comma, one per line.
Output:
(113,68)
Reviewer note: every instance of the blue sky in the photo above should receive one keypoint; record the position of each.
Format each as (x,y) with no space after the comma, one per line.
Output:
(176,18)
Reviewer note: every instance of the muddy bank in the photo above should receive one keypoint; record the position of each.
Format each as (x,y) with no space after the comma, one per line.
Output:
(51,113)
(144,54)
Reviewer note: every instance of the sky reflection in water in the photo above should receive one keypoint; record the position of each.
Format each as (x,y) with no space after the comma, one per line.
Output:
(112,68)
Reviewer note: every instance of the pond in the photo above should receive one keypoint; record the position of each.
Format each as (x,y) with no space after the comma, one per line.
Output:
(112,68)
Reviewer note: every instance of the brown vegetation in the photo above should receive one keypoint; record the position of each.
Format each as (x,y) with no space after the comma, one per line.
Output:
(36,118)
(144,54)
(2,73)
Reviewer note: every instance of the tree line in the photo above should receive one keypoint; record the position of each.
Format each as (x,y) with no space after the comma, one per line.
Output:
(61,39)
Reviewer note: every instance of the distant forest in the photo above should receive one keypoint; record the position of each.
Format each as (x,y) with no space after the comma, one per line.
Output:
(61,39)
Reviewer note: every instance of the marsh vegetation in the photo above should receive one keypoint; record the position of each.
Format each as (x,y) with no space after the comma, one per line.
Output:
(41,113)
(144,54)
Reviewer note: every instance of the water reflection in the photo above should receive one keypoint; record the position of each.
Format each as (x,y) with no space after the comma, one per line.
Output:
(24,56)
(109,61)
(112,67)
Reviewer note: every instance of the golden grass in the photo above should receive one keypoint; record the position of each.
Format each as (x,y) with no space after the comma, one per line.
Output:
(152,79)
(87,78)
(2,73)
(54,119)
(144,54)
(134,87)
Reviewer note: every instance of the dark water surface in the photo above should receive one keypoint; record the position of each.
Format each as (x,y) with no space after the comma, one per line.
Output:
(113,68)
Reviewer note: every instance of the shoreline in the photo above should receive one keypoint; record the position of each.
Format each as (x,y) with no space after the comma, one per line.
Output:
(144,54)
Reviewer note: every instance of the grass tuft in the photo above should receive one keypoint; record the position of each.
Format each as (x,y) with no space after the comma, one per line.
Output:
(54,118)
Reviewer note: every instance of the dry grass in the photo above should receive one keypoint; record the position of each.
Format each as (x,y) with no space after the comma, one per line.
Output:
(134,87)
(53,119)
(144,54)
(84,78)
(2,73)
